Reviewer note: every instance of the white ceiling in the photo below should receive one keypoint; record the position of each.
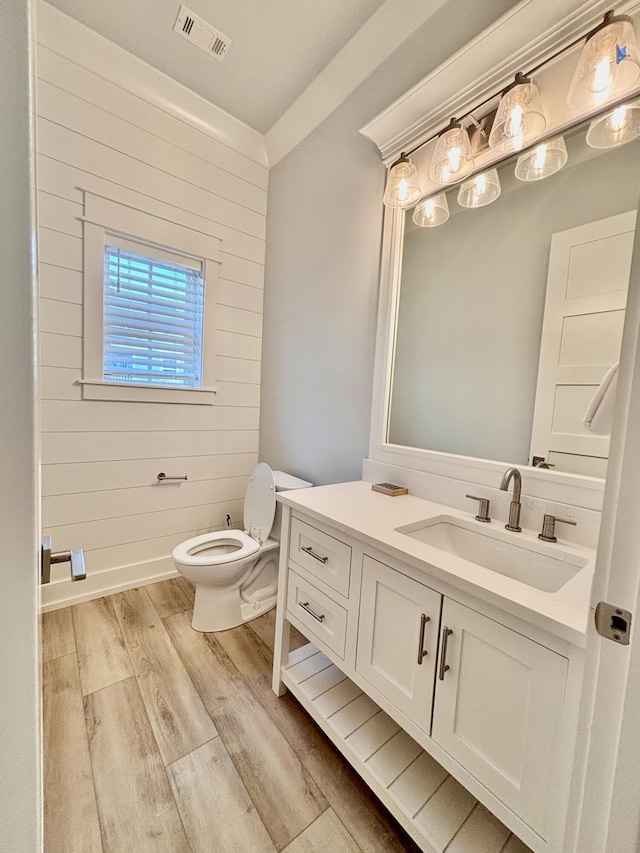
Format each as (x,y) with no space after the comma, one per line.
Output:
(278,49)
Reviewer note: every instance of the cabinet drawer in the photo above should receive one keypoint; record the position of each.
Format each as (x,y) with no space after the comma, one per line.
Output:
(322,555)
(329,623)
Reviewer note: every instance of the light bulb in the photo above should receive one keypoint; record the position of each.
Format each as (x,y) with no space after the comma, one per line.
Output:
(600,83)
(618,118)
(513,125)
(455,158)
(539,157)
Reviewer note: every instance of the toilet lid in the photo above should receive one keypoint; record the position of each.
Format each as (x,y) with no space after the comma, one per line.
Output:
(260,502)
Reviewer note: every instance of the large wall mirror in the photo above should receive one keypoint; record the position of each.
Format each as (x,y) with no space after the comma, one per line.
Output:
(509,315)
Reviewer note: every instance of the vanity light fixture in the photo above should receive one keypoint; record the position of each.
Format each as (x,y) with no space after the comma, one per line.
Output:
(543,160)
(431,211)
(403,186)
(480,190)
(520,118)
(609,68)
(616,127)
(609,65)
(452,159)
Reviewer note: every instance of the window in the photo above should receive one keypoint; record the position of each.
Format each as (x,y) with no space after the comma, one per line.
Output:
(153,317)
(149,305)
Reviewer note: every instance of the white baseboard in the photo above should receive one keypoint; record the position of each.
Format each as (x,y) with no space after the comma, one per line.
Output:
(98,584)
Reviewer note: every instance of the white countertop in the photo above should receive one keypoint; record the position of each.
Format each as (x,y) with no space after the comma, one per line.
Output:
(372,517)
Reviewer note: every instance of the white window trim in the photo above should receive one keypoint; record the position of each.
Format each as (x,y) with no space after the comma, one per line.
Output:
(103,216)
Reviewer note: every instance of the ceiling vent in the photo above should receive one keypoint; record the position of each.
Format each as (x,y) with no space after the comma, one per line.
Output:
(202,34)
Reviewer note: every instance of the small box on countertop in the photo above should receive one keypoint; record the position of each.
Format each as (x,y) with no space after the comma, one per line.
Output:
(390,489)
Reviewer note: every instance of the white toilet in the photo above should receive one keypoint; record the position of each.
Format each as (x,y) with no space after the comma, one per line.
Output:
(236,573)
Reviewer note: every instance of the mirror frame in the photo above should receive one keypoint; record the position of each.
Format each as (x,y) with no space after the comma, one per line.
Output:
(390,131)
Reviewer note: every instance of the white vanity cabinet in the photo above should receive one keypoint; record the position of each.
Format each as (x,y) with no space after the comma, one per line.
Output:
(496,696)
(419,673)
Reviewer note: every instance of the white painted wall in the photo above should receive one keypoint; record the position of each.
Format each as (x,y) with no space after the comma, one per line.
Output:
(100,459)
(20,780)
(322,267)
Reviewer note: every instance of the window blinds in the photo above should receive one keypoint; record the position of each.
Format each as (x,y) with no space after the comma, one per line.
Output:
(153,316)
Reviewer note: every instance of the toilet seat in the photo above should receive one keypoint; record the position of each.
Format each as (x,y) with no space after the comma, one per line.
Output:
(184,553)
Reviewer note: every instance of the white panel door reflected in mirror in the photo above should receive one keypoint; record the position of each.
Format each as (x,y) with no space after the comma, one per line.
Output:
(587,288)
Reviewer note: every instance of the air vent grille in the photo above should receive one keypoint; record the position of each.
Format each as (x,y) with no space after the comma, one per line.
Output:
(201,34)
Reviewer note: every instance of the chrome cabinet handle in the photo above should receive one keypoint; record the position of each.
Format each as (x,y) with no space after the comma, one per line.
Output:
(421,650)
(309,550)
(444,667)
(305,606)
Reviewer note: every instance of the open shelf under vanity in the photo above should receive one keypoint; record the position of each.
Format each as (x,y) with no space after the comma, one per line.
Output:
(438,812)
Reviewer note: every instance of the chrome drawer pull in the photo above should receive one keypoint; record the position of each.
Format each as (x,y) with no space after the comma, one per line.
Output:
(305,606)
(421,650)
(309,550)
(444,667)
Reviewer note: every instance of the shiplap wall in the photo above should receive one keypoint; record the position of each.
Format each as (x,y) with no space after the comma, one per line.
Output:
(100,459)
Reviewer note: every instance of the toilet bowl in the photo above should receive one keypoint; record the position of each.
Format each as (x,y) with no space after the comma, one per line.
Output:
(235,572)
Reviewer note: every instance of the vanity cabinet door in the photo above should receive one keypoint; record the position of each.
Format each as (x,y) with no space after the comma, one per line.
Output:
(498,710)
(397,639)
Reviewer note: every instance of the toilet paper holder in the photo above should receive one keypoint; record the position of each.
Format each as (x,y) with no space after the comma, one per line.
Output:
(162,477)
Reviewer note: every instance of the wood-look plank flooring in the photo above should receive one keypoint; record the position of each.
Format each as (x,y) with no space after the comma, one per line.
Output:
(158,738)
(177,716)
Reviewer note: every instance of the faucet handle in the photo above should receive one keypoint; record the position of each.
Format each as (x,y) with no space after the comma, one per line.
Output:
(483,509)
(549,527)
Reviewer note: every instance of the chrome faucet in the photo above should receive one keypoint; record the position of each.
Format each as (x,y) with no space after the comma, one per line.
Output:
(516,506)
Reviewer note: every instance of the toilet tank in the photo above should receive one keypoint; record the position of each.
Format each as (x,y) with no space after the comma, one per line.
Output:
(283,482)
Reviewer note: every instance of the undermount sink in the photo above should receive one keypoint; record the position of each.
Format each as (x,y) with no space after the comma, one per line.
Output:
(493,549)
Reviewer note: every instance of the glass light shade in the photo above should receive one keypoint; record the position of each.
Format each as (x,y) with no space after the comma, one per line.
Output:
(609,65)
(480,190)
(452,159)
(542,161)
(520,118)
(403,186)
(620,125)
(432,211)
